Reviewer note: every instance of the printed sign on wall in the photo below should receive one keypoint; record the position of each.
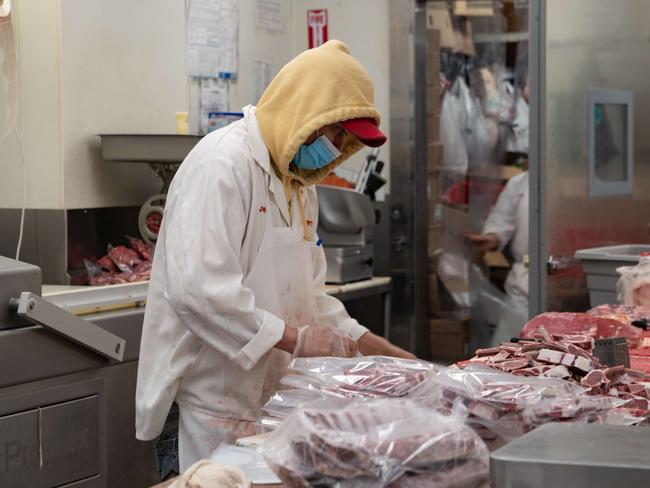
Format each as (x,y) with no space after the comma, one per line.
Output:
(317,27)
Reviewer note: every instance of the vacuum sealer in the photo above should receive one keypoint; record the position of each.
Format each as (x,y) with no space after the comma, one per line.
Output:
(345,225)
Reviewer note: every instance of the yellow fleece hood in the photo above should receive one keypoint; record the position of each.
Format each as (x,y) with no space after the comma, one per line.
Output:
(321,86)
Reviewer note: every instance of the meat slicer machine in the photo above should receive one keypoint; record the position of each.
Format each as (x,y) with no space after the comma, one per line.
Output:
(345,226)
(164,153)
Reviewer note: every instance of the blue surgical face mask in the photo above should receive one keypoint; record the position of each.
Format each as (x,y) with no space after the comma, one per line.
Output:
(316,155)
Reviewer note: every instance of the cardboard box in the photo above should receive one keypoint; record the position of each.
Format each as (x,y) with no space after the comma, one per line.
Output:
(433,294)
(474,8)
(433,239)
(433,130)
(433,264)
(448,326)
(433,43)
(449,339)
(432,73)
(448,348)
(433,58)
(438,18)
(495,259)
(465,38)
(434,192)
(434,157)
(434,104)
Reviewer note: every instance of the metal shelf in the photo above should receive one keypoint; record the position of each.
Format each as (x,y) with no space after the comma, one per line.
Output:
(147,148)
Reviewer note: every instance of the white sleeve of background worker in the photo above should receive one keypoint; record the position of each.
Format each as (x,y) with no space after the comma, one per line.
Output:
(502,220)
(330,310)
(207,219)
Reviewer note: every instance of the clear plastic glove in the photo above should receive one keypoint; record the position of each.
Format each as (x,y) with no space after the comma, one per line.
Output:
(324,341)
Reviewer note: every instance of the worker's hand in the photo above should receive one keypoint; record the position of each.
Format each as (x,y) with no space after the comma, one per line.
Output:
(324,340)
(485,242)
(373,345)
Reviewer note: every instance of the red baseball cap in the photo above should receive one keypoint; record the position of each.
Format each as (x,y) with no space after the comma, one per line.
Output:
(366,130)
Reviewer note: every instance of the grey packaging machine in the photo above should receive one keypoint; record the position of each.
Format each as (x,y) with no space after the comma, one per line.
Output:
(67,385)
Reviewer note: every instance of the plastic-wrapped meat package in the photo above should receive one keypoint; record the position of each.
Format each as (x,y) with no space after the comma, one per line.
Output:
(96,274)
(121,278)
(124,258)
(107,264)
(564,323)
(375,443)
(502,392)
(143,249)
(142,272)
(369,376)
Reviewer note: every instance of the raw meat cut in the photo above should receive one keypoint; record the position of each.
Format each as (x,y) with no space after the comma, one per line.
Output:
(594,378)
(580,324)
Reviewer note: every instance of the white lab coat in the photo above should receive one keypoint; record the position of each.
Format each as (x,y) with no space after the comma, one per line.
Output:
(227,227)
(509,221)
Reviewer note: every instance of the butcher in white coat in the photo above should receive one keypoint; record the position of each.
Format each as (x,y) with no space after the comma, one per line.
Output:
(508,224)
(238,279)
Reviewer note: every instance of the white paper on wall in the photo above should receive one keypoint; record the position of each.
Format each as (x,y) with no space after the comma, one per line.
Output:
(212,30)
(213,97)
(270,15)
(263,74)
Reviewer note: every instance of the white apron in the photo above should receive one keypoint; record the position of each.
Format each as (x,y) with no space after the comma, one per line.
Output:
(288,293)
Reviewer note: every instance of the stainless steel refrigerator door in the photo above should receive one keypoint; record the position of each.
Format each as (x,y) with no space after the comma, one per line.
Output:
(577,47)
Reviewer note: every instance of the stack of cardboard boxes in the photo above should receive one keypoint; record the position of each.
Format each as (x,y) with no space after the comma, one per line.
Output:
(448,333)
(450,37)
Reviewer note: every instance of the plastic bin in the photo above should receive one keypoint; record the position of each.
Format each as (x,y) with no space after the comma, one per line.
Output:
(600,265)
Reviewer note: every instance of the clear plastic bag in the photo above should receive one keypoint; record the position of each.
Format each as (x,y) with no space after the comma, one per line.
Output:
(503,406)
(283,402)
(634,283)
(124,258)
(499,392)
(142,248)
(97,276)
(453,120)
(369,376)
(377,443)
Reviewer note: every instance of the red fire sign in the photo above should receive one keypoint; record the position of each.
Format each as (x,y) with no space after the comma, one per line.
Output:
(317,27)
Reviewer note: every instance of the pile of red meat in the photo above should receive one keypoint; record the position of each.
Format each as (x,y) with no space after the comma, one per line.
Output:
(592,324)
(122,264)
(640,317)
(619,391)
(503,406)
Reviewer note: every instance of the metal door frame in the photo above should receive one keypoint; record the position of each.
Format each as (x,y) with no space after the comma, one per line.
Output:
(408,198)
(538,242)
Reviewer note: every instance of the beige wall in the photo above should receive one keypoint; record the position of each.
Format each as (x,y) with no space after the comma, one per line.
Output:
(123,71)
(37,31)
(96,66)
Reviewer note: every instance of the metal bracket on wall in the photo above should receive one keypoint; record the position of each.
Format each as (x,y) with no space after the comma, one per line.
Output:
(41,312)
